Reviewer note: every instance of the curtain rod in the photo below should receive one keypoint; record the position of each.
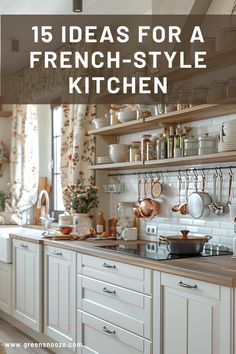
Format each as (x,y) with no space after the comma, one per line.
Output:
(230,168)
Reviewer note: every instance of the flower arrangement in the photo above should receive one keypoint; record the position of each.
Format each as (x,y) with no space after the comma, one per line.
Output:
(80,197)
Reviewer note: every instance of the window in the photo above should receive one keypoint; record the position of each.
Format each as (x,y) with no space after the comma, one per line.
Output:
(57,201)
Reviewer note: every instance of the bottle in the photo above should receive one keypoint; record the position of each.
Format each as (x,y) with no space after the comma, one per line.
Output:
(163,145)
(183,136)
(100,227)
(170,143)
(177,138)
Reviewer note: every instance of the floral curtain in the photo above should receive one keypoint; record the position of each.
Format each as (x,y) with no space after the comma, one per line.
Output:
(24,164)
(78,148)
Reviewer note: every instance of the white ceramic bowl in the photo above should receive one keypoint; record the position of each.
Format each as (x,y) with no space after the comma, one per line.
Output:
(100,123)
(119,152)
(126,116)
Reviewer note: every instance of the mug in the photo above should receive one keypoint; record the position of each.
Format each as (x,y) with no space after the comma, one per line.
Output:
(130,234)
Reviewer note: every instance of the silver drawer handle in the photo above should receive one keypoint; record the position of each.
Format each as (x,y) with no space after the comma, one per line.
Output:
(55,253)
(24,246)
(105,290)
(180,283)
(105,265)
(108,331)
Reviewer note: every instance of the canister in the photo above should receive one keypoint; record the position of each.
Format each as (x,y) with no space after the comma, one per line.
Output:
(190,147)
(206,145)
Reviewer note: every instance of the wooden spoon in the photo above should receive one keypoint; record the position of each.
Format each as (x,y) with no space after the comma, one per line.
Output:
(177,207)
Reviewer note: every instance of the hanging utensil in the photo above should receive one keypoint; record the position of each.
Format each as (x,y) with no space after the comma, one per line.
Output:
(214,205)
(136,210)
(177,207)
(220,208)
(230,187)
(156,188)
(184,207)
(199,201)
(148,207)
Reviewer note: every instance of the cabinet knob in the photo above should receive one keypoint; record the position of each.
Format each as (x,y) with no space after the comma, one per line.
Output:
(105,265)
(105,290)
(108,331)
(184,285)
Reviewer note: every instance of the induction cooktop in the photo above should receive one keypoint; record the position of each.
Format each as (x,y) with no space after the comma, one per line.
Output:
(152,250)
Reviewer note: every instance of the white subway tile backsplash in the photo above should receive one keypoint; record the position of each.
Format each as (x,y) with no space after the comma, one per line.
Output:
(171,223)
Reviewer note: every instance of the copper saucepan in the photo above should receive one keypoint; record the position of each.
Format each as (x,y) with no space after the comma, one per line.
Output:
(148,207)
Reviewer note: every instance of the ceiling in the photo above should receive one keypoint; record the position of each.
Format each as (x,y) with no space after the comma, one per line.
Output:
(65,7)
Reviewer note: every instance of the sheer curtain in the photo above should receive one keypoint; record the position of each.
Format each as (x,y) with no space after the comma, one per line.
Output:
(77,148)
(24,161)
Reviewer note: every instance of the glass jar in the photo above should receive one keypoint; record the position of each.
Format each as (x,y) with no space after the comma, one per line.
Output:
(207,145)
(134,151)
(144,140)
(144,111)
(190,147)
(151,151)
(65,222)
(125,216)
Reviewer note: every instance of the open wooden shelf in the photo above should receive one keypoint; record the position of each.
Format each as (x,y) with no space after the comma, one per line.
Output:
(5,114)
(229,156)
(200,112)
(218,60)
(117,166)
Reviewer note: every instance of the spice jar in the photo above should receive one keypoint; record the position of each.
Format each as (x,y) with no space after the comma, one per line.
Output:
(151,150)
(134,151)
(144,140)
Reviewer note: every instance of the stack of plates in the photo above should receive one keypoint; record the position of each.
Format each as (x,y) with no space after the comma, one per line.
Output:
(103,159)
(228,140)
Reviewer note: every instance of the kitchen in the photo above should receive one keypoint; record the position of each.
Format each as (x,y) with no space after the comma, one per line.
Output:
(70,284)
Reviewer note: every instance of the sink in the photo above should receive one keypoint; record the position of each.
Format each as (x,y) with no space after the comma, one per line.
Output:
(6,241)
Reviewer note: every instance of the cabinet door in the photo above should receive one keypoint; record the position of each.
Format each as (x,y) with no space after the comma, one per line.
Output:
(5,287)
(60,294)
(191,323)
(27,283)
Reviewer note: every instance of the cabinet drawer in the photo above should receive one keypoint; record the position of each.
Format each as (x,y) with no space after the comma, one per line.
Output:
(27,246)
(58,252)
(121,274)
(191,286)
(125,308)
(100,337)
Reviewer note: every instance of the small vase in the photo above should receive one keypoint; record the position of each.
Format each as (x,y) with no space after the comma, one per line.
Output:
(84,220)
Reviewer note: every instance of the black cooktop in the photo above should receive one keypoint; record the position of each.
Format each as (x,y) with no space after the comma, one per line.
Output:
(154,251)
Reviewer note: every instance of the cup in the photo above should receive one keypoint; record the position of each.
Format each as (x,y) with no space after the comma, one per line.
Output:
(130,234)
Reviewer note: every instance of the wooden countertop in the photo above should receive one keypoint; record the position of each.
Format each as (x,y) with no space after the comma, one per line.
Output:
(218,270)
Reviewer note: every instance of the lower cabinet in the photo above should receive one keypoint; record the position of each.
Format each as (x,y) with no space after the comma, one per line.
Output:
(191,316)
(27,283)
(60,294)
(6,287)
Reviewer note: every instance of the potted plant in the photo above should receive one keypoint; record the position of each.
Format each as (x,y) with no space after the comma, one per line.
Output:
(81,199)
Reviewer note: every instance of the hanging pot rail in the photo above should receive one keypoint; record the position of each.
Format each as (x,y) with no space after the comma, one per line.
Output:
(187,170)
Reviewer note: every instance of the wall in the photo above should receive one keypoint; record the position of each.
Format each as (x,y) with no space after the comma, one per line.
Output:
(169,223)
(5,136)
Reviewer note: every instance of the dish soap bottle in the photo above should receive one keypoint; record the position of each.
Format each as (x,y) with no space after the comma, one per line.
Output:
(100,227)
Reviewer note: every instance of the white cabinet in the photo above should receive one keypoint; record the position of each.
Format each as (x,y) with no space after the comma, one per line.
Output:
(6,287)
(60,294)
(114,302)
(27,283)
(191,316)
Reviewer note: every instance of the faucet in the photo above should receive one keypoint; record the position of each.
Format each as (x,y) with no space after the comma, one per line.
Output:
(47,220)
